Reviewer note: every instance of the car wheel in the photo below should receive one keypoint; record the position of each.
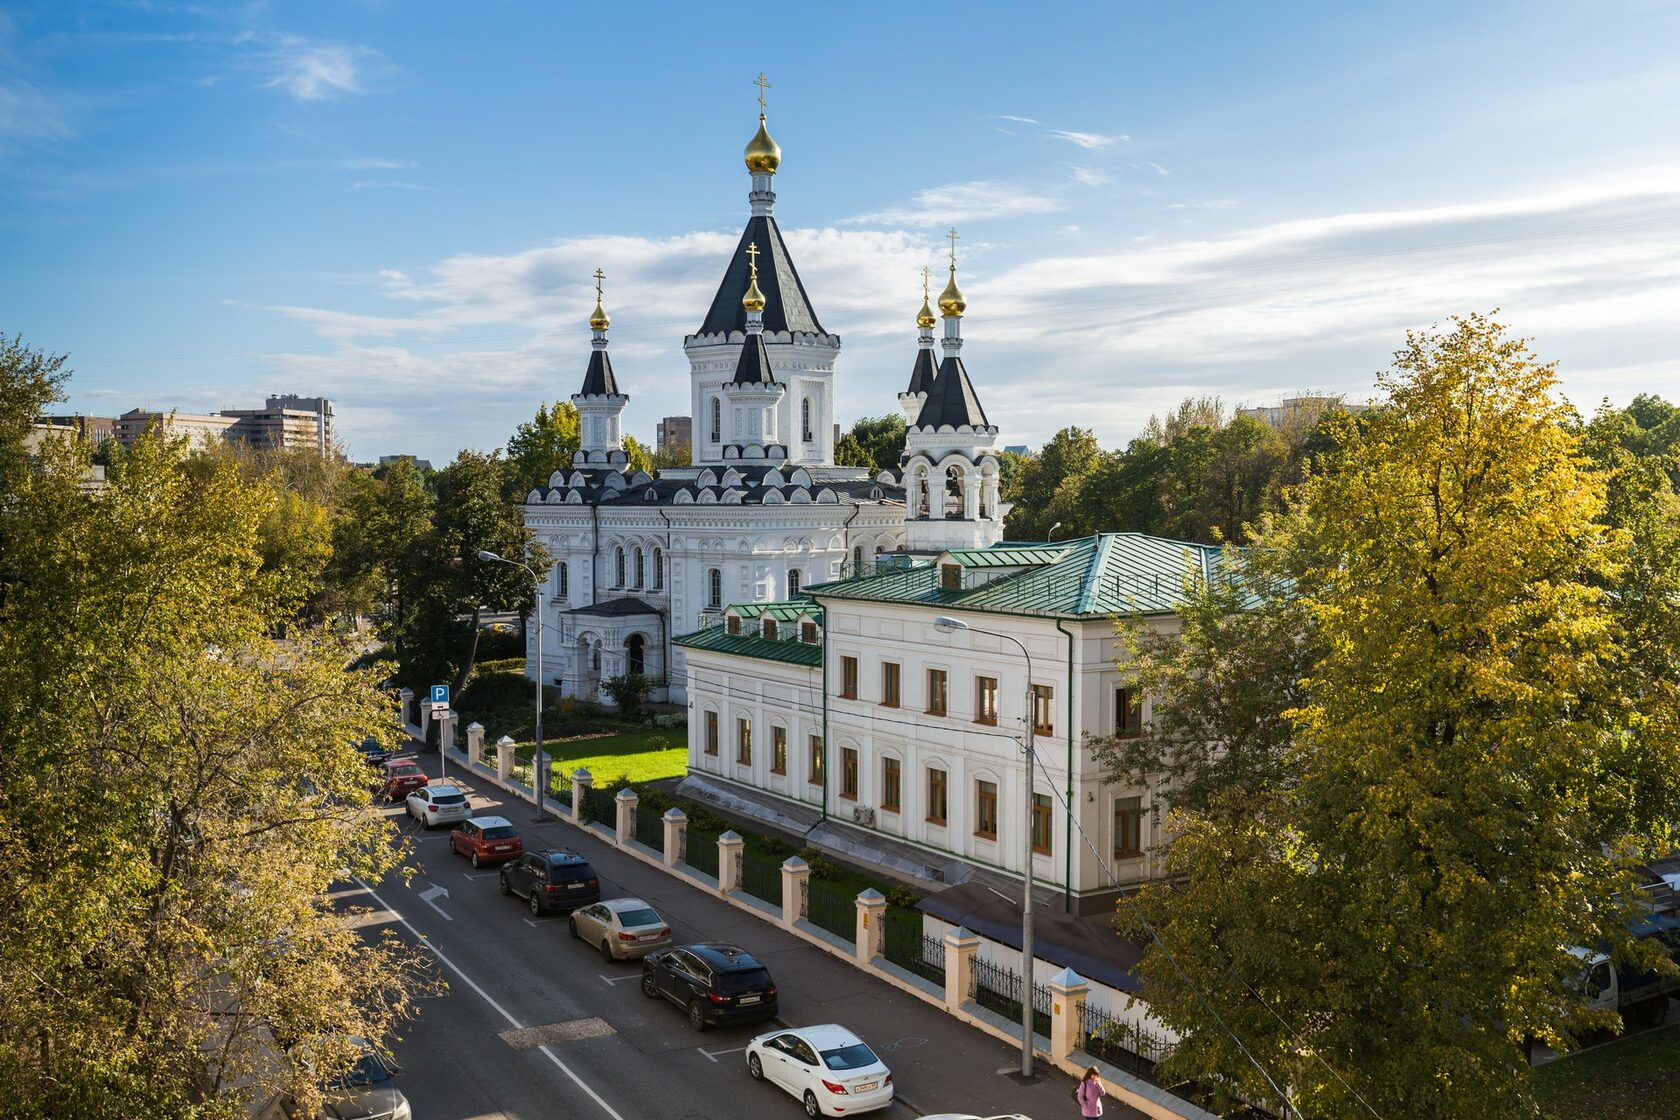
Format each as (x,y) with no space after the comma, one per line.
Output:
(506,887)
(649,988)
(536,903)
(697,1016)
(811,1106)
(475,861)
(606,951)
(571,927)
(755,1067)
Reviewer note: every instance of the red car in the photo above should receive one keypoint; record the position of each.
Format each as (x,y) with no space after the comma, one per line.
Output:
(402,777)
(486,840)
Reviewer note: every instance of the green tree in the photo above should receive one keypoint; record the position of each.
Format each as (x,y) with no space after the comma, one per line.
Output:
(641,459)
(29,382)
(1473,765)
(540,446)
(874,442)
(186,790)
(676,455)
(1047,490)
(381,522)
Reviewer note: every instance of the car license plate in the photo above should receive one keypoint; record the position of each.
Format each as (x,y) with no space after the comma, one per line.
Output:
(749,999)
(509,848)
(579,886)
(863,1087)
(648,937)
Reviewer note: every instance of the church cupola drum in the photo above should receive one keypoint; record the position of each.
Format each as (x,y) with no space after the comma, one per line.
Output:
(599,403)
(799,351)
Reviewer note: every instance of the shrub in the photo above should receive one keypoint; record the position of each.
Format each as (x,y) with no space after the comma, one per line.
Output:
(775,845)
(903,896)
(824,868)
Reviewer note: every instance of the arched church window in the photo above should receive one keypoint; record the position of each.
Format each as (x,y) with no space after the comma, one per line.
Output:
(857,560)
(714,588)
(805,418)
(561,572)
(658,569)
(717,419)
(795,577)
(641,569)
(618,566)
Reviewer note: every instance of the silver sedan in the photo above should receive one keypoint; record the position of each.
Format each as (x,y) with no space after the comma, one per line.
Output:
(624,929)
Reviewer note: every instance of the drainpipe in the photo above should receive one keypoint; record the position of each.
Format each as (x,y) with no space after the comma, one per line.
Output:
(1067,854)
(824,612)
(668,620)
(595,553)
(846,545)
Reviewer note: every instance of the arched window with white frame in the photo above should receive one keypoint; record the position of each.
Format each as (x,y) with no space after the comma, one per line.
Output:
(717,420)
(641,569)
(618,566)
(562,574)
(714,588)
(805,419)
(795,578)
(658,569)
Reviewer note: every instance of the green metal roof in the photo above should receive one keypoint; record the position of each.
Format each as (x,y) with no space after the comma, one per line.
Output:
(720,640)
(787,611)
(1108,574)
(1006,557)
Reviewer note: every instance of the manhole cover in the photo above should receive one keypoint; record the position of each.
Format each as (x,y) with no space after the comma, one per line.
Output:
(529,1038)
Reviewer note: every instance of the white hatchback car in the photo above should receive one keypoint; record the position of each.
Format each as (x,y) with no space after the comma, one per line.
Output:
(439,803)
(830,1069)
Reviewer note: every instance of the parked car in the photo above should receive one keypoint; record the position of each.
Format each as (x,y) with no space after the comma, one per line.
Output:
(374,752)
(622,928)
(552,880)
(487,840)
(366,1091)
(400,778)
(832,1071)
(714,983)
(439,803)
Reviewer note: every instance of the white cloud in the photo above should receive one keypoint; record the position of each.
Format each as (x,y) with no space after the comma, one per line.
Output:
(1088,140)
(962,202)
(1152,166)
(317,71)
(399,184)
(1018,120)
(372,163)
(1091,176)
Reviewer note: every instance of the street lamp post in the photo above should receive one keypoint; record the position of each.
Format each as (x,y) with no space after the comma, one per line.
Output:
(538,778)
(948,624)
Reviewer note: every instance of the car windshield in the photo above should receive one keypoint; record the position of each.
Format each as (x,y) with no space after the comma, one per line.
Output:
(642,917)
(404,771)
(368,1070)
(500,832)
(447,799)
(743,981)
(855,1056)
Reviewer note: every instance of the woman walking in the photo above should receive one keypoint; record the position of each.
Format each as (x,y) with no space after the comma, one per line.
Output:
(1090,1094)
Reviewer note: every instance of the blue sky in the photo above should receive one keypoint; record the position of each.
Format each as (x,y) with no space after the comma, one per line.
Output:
(399,205)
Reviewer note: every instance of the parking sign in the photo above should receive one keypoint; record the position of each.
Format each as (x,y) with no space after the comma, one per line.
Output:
(440,695)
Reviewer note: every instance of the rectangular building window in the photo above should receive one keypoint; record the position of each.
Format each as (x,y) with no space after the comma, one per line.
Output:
(732,624)
(770,629)
(950,577)
(778,750)
(985,810)
(985,700)
(1128,827)
(936,692)
(1044,722)
(889,684)
(848,678)
(1041,823)
(890,784)
(808,633)
(743,741)
(816,762)
(711,733)
(1128,713)
(936,795)
(848,773)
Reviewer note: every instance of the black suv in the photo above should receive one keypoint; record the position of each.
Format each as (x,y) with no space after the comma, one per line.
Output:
(715,983)
(557,880)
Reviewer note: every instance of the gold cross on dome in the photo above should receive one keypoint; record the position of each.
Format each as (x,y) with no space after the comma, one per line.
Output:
(952,234)
(752,258)
(924,283)
(763,84)
(599,276)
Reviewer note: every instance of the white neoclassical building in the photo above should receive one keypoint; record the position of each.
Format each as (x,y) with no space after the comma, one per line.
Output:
(852,705)
(763,511)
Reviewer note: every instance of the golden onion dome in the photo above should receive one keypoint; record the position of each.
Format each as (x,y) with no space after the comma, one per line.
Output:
(924,317)
(763,154)
(754,299)
(599,321)
(951,301)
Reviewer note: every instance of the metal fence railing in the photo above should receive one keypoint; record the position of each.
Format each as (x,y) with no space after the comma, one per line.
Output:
(761,878)
(999,989)
(1128,1046)
(833,909)
(600,806)
(650,827)
(559,787)
(904,944)
(702,852)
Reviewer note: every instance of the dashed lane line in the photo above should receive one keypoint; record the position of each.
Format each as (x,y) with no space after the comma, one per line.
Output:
(500,1010)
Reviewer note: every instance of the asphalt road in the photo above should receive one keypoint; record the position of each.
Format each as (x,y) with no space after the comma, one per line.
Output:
(617,1055)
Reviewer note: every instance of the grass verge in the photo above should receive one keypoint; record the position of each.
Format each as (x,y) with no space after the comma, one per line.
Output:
(1636,1077)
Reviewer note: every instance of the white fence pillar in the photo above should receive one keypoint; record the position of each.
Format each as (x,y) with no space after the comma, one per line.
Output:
(504,758)
(627,801)
(582,781)
(796,880)
(475,743)
(960,949)
(730,846)
(676,836)
(871,914)
(1067,1013)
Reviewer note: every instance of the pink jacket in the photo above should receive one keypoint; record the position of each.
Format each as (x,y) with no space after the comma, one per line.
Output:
(1090,1097)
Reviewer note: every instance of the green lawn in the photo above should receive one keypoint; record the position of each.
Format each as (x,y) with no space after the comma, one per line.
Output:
(607,757)
(1632,1078)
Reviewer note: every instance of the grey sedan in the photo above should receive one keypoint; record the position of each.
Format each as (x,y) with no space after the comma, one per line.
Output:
(624,929)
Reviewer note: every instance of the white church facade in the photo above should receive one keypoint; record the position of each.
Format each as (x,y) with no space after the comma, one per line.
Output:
(762,512)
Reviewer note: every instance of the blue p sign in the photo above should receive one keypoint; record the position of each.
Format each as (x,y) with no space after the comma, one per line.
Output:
(440,694)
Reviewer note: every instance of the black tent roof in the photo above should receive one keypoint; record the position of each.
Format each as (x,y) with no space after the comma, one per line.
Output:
(598,379)
(786,306)
(952,400)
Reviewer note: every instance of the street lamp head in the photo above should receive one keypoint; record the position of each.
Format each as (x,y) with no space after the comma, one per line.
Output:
(1051,535)
(946,624)
(486,554)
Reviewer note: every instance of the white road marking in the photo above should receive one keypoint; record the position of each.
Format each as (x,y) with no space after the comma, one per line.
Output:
(714,1055)
(480,875)
(535,922)
(619,979)
(502,1011)
(428,896)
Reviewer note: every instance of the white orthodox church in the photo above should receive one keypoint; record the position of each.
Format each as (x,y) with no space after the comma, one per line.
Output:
(762,512)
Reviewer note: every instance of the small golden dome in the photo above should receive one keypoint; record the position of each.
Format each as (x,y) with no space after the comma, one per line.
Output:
(599,320)
(763,154)
(754,299)
(924,317)
(951,301)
